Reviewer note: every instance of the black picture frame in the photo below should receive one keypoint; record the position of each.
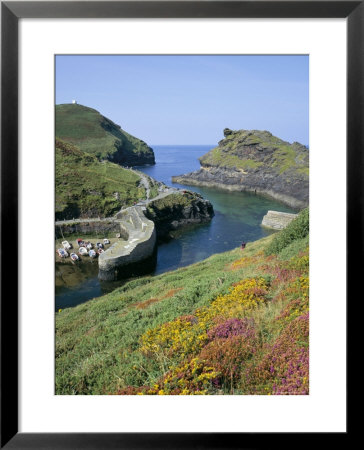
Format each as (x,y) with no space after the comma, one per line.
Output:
(11,12)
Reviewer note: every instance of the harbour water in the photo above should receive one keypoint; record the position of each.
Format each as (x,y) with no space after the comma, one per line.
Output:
(238,217)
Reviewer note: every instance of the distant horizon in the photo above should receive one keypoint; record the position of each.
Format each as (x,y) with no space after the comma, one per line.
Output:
(191,98)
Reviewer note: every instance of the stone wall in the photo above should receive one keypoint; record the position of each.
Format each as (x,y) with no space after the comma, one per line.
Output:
(88,228)
(141,246)
(277,220)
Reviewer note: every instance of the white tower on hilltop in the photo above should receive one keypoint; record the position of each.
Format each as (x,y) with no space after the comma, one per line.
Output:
(74,102)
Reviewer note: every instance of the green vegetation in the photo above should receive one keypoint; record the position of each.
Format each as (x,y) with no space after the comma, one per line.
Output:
(99,136)
(296,230)
(220,157)
(86,187)
(171,201)
(236,323)
(284,158)
(249,150)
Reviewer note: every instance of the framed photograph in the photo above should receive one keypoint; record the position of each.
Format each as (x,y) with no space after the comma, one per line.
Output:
(178,180)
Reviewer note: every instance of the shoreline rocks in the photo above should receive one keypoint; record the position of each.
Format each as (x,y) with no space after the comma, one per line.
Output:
(255,161)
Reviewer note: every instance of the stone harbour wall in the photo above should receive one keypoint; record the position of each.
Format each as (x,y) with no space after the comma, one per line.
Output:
(277,220)
(140,246)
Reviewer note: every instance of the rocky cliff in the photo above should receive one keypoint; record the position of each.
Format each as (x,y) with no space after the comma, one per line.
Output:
(255,161)
(178,210)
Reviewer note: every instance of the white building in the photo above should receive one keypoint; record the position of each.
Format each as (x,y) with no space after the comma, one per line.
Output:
(74,102)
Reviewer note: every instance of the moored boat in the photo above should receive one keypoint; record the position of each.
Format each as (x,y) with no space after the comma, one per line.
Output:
(82,251)
(74,257)
(66,245)
(92,254)
(62,253)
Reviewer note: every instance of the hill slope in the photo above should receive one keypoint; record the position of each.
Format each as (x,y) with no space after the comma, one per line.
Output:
(95,134)
(255,161)
(86,187)
(236,323)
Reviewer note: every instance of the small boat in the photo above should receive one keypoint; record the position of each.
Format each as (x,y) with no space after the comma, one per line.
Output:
(82,251)
(100,250)
(62,253)
(74,257)
(99,245)
(89,245)
(92,254)
(79,242)
(106,241)
(66,245)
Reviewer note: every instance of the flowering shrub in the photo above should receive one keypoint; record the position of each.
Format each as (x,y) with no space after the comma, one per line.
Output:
(194,377)
(298,290)
(212,351)
(187,335)
(180,337)
(242,297)
(232,327)
(227,355)
(284,368)
(300,262)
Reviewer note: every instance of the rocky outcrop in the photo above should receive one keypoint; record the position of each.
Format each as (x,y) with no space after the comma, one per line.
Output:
(277,220)
(258,162)
(178,210)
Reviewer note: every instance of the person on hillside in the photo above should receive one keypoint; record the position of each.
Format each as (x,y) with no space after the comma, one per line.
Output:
(243,245)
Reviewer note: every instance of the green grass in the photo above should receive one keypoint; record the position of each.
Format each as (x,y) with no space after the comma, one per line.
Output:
(219,157)
(170,201)
(95,134)
(86,187)
(98,342)
(295,231)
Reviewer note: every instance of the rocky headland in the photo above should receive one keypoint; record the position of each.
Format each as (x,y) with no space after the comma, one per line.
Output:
(178,210)
(255,161)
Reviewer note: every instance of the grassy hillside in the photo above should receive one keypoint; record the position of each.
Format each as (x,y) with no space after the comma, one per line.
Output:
(95,134)
(86,187)
(236,323)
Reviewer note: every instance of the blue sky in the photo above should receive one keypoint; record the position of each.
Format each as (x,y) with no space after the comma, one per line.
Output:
(191,99)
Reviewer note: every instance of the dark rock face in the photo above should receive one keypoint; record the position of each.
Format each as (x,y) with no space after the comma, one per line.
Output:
(128,158)
(227,132)
(178,213)
(255,161)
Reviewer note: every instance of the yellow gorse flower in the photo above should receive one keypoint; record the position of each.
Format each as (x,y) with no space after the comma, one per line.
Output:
(186,337)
